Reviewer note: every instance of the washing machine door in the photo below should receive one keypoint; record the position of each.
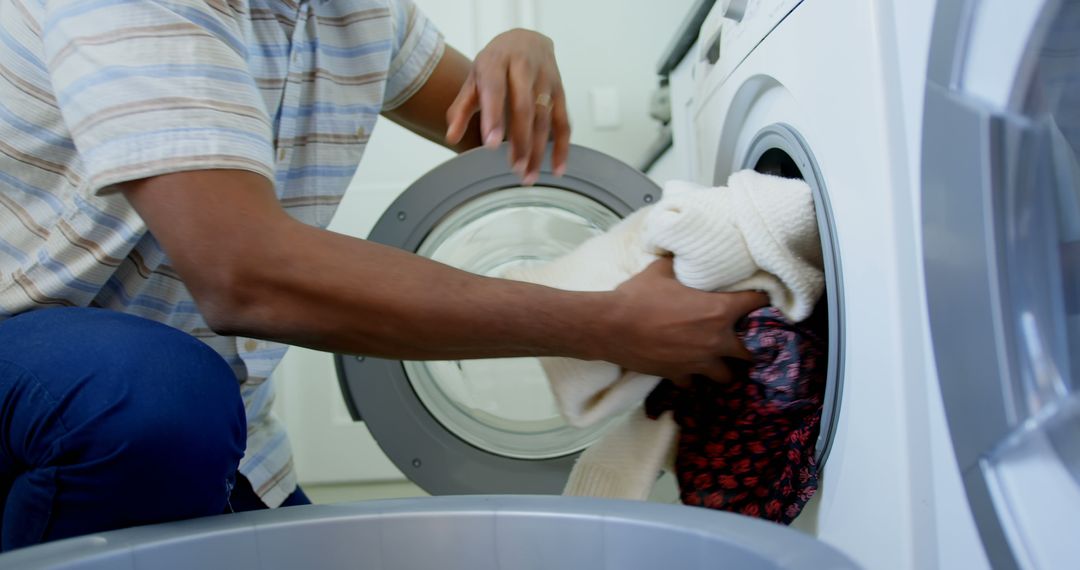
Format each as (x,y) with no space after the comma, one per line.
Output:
(1001,231)
(486,426)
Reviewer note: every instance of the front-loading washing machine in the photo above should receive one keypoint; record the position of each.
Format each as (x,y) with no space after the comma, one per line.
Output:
(800,89)
(832,92)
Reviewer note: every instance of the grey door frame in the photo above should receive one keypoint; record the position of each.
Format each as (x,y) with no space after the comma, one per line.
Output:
(378,390)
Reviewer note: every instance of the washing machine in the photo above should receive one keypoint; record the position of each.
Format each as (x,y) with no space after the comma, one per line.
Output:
(800,89)
(945,408)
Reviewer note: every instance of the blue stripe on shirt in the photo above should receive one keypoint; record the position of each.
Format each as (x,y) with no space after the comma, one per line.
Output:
(144,301)
(48,262)
(26,54)
(277,50)
(321,170)
(260,457)
(53,202)
(328,109)
(40,133)
(56,16)
(13,252)
(213,26)
(159,71)
(135,141)
(126,232)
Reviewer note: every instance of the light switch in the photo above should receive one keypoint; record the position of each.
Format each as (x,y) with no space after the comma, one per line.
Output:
(605,107)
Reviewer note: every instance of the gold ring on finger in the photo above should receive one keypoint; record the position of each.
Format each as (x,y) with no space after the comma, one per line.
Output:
(544,100)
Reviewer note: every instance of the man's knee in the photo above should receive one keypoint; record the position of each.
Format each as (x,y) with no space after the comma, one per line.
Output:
(109,410)
(123,386)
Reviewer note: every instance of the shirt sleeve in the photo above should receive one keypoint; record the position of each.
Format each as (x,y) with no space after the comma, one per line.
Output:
(149,87)
(417,48)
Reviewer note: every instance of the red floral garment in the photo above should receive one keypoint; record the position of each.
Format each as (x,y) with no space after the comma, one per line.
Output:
(747,446)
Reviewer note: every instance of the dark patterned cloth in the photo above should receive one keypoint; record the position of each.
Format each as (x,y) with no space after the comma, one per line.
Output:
(747,446)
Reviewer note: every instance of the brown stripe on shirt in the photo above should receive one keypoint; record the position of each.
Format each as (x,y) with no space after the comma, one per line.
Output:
(362,79)
(27,87)
(176,30)
(321,138)
(301,201)
(35,294)
(285,469)
(185,162)
(40,163)
(202,332)
(169,104)
(24,217)
(222,7)
(88,245)
(262,14)
(270,83)
(415,84)
(168,271)
(28,18)
(358,16)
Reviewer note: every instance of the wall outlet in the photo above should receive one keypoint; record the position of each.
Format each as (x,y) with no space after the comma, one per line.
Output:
(604,104)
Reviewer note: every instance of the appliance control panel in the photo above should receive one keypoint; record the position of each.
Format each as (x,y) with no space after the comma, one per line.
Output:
(732,30)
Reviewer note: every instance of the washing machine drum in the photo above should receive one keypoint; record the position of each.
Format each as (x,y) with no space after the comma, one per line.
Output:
(486,426)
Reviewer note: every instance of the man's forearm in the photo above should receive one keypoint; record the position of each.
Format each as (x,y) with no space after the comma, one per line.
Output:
(332,292)
(255,271)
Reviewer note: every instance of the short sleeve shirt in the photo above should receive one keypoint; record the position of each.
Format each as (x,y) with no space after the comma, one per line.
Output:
(98,92)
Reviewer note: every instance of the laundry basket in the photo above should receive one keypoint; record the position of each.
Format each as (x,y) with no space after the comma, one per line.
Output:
(448,533)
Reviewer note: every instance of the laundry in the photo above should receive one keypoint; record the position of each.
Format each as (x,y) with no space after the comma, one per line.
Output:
(747,446)
(759,232)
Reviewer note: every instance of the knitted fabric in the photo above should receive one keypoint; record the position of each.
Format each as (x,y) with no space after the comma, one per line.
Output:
(747,446)
(626,462)
(760,232)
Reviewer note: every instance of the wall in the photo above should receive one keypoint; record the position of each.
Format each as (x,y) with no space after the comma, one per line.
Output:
(601,44)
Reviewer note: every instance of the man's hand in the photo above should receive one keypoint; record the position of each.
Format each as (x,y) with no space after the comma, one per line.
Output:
(667,329)
(515,85)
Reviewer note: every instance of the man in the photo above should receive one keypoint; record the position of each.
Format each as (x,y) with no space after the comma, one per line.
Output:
(166,168)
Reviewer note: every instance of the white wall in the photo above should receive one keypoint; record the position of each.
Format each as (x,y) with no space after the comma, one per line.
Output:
(607,44)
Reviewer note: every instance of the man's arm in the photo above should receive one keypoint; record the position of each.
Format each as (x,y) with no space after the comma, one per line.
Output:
(254,271)
(425,112)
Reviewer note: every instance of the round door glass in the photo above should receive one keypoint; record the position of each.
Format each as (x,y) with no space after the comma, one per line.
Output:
(1035,470)
(1041,229)
(505,406)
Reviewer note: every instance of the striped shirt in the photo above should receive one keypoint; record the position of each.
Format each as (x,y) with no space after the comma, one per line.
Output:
(98,92)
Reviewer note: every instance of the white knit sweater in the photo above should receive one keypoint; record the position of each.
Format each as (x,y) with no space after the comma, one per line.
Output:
(758,233)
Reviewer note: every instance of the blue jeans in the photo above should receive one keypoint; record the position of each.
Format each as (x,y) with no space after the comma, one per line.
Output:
(108,421)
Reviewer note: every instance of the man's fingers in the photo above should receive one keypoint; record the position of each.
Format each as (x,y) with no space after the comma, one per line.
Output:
(491,86)
(663,267)
(560,126)
(744,302)
(461,111)
(522,115)
(541,130)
